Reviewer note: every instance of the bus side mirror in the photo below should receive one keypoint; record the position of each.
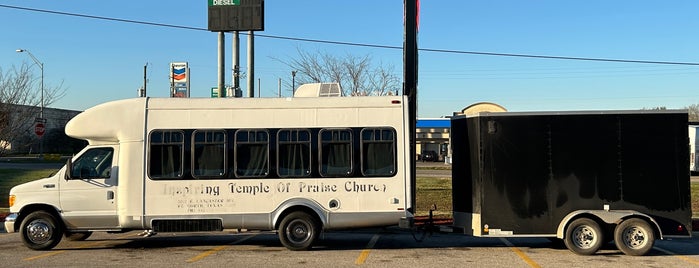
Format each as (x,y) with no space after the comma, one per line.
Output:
(69,170)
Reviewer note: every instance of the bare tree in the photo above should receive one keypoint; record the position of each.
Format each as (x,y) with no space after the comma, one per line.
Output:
(693,111)
(20,99)
(354,73)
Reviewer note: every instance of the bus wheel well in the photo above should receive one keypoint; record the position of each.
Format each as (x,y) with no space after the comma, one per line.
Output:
(290,210)
(37,207)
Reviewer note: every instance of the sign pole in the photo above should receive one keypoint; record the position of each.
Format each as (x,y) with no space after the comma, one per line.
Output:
(221,64)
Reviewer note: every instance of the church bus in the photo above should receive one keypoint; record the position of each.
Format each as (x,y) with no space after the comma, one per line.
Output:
(296,165)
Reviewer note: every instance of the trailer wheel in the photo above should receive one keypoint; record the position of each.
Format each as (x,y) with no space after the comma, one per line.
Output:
(40,231)
(77,236)
(634,237)
(584,236)
(298,231)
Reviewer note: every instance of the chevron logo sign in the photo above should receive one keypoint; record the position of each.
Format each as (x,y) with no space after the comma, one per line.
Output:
(179,72)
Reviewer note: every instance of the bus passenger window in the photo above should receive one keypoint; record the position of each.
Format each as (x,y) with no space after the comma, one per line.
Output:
(166,154)
(336,152)
(294,153)
(209,153)
(251,153)
(378,152)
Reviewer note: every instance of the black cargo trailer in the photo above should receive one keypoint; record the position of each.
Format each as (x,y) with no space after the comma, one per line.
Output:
(585,177)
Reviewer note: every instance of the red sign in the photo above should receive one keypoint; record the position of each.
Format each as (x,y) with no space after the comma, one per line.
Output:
(39,129)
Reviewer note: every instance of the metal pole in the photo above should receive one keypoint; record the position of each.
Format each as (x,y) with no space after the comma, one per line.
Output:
(293,83)
(221,65)
(145,68)
(236,62)
(410,85)
(251,64)
(41,108)
(41,111)
(279,93)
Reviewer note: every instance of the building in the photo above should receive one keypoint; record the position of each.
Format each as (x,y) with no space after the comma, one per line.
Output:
(18,135)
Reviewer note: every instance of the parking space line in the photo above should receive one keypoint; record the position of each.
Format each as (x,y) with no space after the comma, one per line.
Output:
(684,258)
(44,255)
(217,249)
(365,253)
(520,253)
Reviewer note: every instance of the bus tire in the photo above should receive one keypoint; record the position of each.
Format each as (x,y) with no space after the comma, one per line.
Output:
(634,237)
(584,236)
(298,230)
(40,231)
(77,236)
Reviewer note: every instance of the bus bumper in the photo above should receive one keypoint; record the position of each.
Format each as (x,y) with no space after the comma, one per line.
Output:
(10,223)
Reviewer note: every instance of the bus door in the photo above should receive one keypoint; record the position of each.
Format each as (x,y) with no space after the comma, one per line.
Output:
(88,194)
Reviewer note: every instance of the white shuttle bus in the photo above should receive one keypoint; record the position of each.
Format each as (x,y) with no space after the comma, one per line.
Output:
(295,165)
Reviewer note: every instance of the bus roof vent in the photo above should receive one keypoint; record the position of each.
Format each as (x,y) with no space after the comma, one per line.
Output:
(318,90)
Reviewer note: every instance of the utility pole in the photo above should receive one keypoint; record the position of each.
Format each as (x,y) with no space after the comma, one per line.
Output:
(145,80)
(410,84)
(293,83)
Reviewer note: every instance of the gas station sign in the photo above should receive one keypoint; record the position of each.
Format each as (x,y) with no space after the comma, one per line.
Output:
(236,15)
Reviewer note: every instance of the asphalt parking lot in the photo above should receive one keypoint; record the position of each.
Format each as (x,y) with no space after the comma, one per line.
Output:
(389,247)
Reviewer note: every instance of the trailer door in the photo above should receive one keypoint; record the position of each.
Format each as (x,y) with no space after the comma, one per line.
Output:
(88,195)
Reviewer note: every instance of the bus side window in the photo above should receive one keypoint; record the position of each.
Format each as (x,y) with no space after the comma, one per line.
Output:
(209,153)
(251,153)
(336,152)
(166,154)
(294,153)
(378,152)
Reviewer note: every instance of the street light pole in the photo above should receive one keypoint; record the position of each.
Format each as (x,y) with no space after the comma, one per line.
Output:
(41,109)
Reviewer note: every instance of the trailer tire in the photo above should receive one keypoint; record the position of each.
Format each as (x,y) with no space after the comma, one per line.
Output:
(298,230)
(584,236)
(634,237)
(40,231)
(77,236)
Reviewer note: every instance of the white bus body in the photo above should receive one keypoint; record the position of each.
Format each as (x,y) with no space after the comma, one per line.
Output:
(693,150)
(297,165)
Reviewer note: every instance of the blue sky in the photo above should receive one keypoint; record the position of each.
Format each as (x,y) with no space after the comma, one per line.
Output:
(99,60)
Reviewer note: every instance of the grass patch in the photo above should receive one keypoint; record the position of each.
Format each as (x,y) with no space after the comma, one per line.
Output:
(433,191)
(11,177)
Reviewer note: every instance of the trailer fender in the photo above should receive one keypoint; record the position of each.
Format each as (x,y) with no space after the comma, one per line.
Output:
(607,216)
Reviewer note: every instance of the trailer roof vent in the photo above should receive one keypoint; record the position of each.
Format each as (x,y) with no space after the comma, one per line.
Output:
(318,90)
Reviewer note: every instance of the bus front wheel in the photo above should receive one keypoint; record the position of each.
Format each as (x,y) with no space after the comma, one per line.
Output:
(298,230)
(40,231)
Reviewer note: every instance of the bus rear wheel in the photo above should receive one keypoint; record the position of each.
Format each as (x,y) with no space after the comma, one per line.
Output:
(634,237)
(40,231)
(298,230)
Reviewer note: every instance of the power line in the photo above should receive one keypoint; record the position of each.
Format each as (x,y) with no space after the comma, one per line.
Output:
(360,44)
